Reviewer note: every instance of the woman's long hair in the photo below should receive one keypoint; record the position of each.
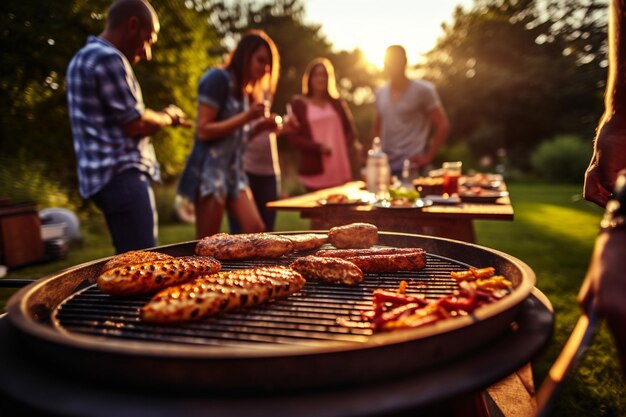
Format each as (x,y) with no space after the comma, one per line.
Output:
(239,61)
(331,86)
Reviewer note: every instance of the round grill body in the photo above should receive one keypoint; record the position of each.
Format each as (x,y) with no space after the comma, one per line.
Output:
(290,344)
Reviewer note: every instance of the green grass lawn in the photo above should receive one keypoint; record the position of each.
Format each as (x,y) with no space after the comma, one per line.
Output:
(553,232)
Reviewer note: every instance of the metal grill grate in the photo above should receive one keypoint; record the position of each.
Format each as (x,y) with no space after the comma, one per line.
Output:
(306,318)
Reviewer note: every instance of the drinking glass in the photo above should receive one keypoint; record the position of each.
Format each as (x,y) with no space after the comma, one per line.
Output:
(451,175)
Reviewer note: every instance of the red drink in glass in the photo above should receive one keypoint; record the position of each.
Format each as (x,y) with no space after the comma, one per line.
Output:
(451,183)
(451,175)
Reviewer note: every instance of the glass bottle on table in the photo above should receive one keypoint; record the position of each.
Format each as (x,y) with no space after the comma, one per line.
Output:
(405,181)
(377,171)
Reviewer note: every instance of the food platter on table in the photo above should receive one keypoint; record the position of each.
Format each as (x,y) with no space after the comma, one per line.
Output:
(340,200)
(444,199)
(419,203)
(482,196)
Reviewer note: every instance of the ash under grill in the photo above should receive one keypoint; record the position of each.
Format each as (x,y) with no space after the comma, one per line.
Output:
(306,318)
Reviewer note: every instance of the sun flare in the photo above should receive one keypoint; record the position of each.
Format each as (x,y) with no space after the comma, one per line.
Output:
(374,54)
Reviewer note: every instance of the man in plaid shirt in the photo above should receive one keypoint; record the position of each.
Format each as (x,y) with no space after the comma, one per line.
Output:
(110,124)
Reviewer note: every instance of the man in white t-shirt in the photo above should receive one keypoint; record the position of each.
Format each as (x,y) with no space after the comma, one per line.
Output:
(410,119)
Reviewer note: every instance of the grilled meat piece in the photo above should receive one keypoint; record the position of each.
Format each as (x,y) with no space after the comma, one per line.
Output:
(380,259)
(150,277)
(307,241)
(328,269)
(355,235)
(134,257)
(414,261)
(244,246)
(218,293)
(344,253)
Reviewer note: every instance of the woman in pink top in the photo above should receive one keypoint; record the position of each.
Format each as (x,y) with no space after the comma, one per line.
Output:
(327,134)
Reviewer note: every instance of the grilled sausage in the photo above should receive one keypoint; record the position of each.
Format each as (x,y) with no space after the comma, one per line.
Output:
(414,261)
(244,246)
(307,241)
(344,253)
(355,235)
(218,293)
(134,257)
(150,277)
(328,269)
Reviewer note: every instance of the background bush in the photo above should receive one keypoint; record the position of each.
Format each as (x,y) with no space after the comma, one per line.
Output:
(563,159)
(24,180)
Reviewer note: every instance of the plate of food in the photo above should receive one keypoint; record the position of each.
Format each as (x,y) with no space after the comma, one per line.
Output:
(444,199)
(486,181)
(339,200)
(481,196)
(401,203)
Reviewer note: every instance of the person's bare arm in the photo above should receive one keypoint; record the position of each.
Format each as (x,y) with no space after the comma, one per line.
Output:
(209,129)
(440,129)
(608,158)
(610,144)
(263,125)
(152,121)
(605,283)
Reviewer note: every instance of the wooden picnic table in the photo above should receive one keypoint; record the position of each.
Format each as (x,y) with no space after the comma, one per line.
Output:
(449,221)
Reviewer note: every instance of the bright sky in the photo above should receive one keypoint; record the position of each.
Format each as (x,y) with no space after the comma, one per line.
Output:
(372,25)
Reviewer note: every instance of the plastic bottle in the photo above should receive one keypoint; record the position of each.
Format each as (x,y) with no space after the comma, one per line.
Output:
(377,171)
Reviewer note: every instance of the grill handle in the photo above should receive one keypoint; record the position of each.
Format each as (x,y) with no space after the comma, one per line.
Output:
(15,282)
(575,347)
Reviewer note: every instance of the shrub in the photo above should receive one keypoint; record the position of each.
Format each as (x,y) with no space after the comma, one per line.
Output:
(457,152)
(563,159)
(22,179)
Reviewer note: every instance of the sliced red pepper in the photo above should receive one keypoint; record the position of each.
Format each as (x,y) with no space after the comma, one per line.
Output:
(464,299)
(394,314)
(395,298)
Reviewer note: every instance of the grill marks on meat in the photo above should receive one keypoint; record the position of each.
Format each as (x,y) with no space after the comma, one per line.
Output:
(307,241)
(150,277)
(345,253)
(218,293)
(384,260)
(355,235)
(244,246)
(133,258)
(390,263)
(328,269)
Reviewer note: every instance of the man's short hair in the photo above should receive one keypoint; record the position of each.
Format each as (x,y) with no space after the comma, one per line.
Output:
(396,51)
(122,10)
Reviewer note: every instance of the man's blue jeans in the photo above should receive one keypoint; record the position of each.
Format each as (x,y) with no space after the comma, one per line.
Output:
(129,208)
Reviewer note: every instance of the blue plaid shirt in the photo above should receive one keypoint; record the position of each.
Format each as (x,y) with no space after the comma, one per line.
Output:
(103,95)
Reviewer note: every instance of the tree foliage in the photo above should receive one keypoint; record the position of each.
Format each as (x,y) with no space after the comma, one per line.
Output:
(38,40)
(512,73)
(298,43)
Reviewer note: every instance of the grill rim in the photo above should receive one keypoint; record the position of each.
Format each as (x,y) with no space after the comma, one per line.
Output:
(22,316)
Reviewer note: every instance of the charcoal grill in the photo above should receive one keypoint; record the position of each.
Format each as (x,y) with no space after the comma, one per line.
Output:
(288,345)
